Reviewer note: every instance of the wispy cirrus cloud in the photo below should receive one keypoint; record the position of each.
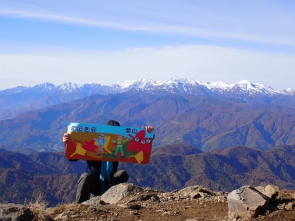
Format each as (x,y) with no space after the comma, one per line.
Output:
(152,27)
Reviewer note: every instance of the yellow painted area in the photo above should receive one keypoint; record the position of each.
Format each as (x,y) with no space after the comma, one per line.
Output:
(139,156)
(79,149)
(106,144)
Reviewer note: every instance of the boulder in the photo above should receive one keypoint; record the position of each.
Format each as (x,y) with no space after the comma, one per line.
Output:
(246,202)
(195,192)
(272,191)
(289,206)
(259,188)
(93,200)
(15,212)
(118,192)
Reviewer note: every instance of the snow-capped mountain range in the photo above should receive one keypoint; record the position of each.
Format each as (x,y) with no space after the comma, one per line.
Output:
(21,99)
(174,85)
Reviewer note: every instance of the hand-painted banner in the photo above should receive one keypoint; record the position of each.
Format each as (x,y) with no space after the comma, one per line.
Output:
(109,143)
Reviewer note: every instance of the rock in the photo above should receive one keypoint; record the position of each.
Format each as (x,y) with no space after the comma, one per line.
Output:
(289,206)
(93,200)
(195,192)
(145,197)
(246,202)
(259,188)
(15,212)
(272,191)
(281,206)
(120,191)
(135,207)
(220,193)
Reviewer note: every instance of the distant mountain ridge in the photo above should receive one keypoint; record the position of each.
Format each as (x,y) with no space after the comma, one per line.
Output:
(20,99)
(182,84)
(205,123)
(171,167)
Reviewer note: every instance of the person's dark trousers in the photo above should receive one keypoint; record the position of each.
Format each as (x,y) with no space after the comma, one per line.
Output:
(89,184)
(121,176)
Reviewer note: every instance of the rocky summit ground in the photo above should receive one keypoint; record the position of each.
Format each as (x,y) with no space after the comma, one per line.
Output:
(150,205)
(188,204)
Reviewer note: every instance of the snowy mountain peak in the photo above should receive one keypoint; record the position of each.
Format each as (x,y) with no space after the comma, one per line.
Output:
(290,91)
(246,85)
(141,83)
(255,87)
(68,86)
(180,79)
(217,85)
(45,85)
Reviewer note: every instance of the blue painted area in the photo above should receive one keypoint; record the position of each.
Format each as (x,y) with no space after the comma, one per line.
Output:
(106,129)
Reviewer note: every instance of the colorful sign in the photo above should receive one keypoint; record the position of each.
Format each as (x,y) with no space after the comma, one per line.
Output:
(109,143)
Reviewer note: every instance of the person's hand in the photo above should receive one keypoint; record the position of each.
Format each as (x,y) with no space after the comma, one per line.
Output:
(66,137)
(148,128)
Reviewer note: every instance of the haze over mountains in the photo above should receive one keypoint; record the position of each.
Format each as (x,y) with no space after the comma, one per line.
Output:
(206,116)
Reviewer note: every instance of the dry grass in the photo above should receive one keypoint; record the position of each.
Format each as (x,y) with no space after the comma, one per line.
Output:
(38,209)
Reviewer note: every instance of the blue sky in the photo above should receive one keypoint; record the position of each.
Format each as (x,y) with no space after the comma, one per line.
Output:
(109,41)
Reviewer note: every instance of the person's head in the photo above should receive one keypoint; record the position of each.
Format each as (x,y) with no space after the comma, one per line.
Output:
(113,123)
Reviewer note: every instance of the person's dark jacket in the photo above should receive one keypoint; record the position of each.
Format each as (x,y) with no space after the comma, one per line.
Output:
(95,167)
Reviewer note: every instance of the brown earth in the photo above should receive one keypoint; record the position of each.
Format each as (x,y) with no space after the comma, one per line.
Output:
(151,205)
